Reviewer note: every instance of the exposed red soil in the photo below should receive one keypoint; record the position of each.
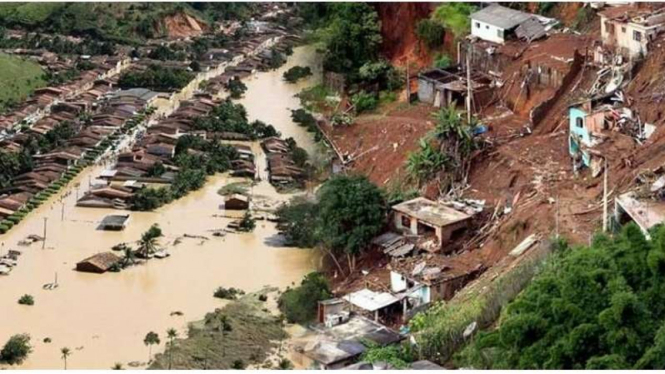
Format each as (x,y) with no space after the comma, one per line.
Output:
(398,25)
(182,25)
(379,144)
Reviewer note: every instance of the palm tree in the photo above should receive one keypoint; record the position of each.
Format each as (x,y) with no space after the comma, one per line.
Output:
(150,339)
(66,352)
(172,334)
(224,327)
(148,242)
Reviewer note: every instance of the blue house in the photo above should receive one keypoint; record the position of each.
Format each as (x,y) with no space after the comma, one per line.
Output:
(586,121)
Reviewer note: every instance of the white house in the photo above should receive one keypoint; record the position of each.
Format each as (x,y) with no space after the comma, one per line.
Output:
(494,22)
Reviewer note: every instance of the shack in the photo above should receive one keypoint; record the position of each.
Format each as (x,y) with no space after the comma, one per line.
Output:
(497,24)
(442,87)
(427,219)
(236,202)
(341,345)
(99,263)
(114,222)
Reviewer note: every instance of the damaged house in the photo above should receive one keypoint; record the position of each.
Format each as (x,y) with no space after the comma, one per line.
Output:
(442,87)
(433,222)
(629,29)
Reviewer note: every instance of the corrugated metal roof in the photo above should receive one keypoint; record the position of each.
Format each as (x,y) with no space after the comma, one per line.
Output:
(501,17)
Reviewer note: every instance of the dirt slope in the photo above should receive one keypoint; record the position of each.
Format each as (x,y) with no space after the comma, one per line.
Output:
(182,25)
(398,24)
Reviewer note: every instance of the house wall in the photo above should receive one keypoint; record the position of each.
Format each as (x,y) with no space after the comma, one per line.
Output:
(397,282)
(622,36)
(487,32)
(426,91)
(575,115)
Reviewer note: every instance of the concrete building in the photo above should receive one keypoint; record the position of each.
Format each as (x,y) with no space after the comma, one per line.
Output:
(630,29)
(426,218)
(497,24)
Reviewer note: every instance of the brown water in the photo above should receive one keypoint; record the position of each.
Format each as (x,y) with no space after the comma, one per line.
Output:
(104,318)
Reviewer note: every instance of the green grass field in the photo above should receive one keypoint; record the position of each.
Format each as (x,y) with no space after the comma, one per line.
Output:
(18,79)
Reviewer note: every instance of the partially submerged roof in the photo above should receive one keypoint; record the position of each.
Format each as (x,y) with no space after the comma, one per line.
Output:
(369,300)
(101,261)
(431,212)
(501,17)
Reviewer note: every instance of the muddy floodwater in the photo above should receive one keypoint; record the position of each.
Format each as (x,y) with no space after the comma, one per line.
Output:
(104,318)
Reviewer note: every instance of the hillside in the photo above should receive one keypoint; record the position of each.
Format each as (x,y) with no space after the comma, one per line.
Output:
(18,78)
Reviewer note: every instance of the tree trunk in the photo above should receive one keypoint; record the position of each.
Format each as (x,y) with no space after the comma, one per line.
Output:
(329,253)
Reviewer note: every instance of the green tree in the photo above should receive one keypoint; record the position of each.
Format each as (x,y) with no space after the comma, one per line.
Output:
(65,352)
(236,88)
(424,163)
(591,308)
(151,339)
(455,16)
(148,242)
(351,212)
(172,334)
(297,222)
(430,32)
(299,304)
(16,350)
(352,38)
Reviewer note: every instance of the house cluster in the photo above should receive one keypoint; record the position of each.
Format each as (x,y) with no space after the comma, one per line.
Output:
(50,166)
(282,169)
(423,268)
(41,101)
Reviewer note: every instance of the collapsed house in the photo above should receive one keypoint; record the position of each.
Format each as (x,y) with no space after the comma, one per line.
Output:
(443,87)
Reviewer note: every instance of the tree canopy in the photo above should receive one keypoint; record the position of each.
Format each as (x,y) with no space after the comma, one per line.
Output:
(601,307)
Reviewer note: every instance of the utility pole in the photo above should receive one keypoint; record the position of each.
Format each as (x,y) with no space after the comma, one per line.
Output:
(408,83)
(605,198)
(44,241)
(62,209)
(468,88)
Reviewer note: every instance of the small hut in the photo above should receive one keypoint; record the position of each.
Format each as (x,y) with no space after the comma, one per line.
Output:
(236,202)
(99,263)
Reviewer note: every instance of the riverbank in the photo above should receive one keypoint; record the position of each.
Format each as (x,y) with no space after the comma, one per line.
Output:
(104,319)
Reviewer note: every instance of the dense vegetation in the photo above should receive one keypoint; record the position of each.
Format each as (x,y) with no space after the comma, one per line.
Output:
(231,117)
(16,350)
(119,22)
(296,73)
(445,149)
(156,78)
(349,213)
(596,307)
(193,171)
(19,79)
(299,304)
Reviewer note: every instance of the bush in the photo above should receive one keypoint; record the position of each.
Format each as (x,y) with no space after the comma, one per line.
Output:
(442,61)
(430,32)
(3,228)
(236,88)
(228,293)
(299,304)
(364,101)
(17,349)
(296,73)
(26,300)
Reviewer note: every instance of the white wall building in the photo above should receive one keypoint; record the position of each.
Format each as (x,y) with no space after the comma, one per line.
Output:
(630,29)
(495,22)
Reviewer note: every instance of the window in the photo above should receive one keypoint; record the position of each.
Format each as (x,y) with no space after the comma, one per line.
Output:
(623,29)
(637,36)
(477,25)
(487,27)
(499,33)
(579,122)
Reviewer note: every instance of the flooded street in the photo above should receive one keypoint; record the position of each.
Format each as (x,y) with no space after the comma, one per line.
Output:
(104,318)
